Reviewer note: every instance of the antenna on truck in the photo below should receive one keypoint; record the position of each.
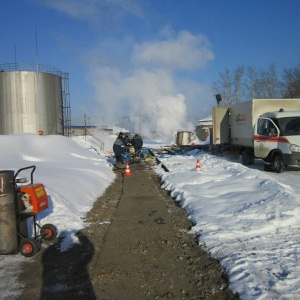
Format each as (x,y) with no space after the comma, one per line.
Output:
(219,98)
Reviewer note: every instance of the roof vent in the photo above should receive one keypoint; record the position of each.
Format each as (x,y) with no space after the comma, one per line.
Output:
(281,110)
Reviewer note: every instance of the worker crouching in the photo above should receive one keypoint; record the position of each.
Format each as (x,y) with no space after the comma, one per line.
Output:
(137,142)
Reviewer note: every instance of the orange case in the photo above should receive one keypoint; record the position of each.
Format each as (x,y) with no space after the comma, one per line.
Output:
(38,197)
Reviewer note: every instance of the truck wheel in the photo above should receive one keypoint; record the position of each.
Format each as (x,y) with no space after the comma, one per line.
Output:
(49,232)
(28,247)
(277,164)
(247,158)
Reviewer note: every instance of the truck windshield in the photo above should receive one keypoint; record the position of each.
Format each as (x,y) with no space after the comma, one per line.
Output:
(289,126)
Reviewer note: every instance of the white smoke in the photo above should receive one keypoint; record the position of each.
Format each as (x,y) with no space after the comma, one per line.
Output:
(146,91)
(148,99)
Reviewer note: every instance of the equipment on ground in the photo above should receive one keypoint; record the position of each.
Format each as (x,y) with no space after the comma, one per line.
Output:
(27,201)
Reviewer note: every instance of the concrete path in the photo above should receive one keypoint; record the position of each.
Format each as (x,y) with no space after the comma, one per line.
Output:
(147,252)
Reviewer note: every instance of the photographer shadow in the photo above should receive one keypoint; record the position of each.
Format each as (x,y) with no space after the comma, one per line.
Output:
(65,273)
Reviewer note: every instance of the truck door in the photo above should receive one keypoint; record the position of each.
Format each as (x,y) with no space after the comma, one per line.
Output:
(266,135)
(221,132)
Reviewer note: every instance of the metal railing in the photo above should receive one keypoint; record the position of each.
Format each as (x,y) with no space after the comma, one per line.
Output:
(93,140)
(30,67)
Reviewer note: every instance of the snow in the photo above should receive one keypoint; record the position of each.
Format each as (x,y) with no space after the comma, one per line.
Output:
(246,218)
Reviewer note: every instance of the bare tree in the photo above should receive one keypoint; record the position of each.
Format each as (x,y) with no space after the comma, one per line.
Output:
(262,83)
(238,76)
(291,82)
(252,83)
(240,85)
(270,83)
(230,85)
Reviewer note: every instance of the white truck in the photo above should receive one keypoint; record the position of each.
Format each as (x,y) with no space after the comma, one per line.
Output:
(268,129)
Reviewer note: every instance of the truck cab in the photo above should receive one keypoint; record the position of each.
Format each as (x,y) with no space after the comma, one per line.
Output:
(277,139)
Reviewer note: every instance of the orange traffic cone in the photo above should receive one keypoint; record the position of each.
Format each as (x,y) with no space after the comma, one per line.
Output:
(127,170)
(198,165)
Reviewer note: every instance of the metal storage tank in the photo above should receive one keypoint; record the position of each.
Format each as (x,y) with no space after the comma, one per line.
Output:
(34,99)
(183,138)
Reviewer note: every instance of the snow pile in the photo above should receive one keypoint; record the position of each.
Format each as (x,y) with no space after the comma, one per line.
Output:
(73,176)
(244,218)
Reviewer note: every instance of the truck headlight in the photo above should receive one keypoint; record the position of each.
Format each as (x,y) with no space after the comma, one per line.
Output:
(294,148)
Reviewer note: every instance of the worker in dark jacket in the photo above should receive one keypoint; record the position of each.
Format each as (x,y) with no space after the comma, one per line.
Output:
(127,142)
(137,142)
(119,148)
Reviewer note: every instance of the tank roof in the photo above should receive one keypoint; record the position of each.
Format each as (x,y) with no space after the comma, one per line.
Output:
(31,67)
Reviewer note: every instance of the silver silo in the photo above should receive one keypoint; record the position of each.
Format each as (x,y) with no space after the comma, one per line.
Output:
(34,99)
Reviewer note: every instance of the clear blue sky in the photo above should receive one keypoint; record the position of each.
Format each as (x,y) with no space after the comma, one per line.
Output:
(126,58)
